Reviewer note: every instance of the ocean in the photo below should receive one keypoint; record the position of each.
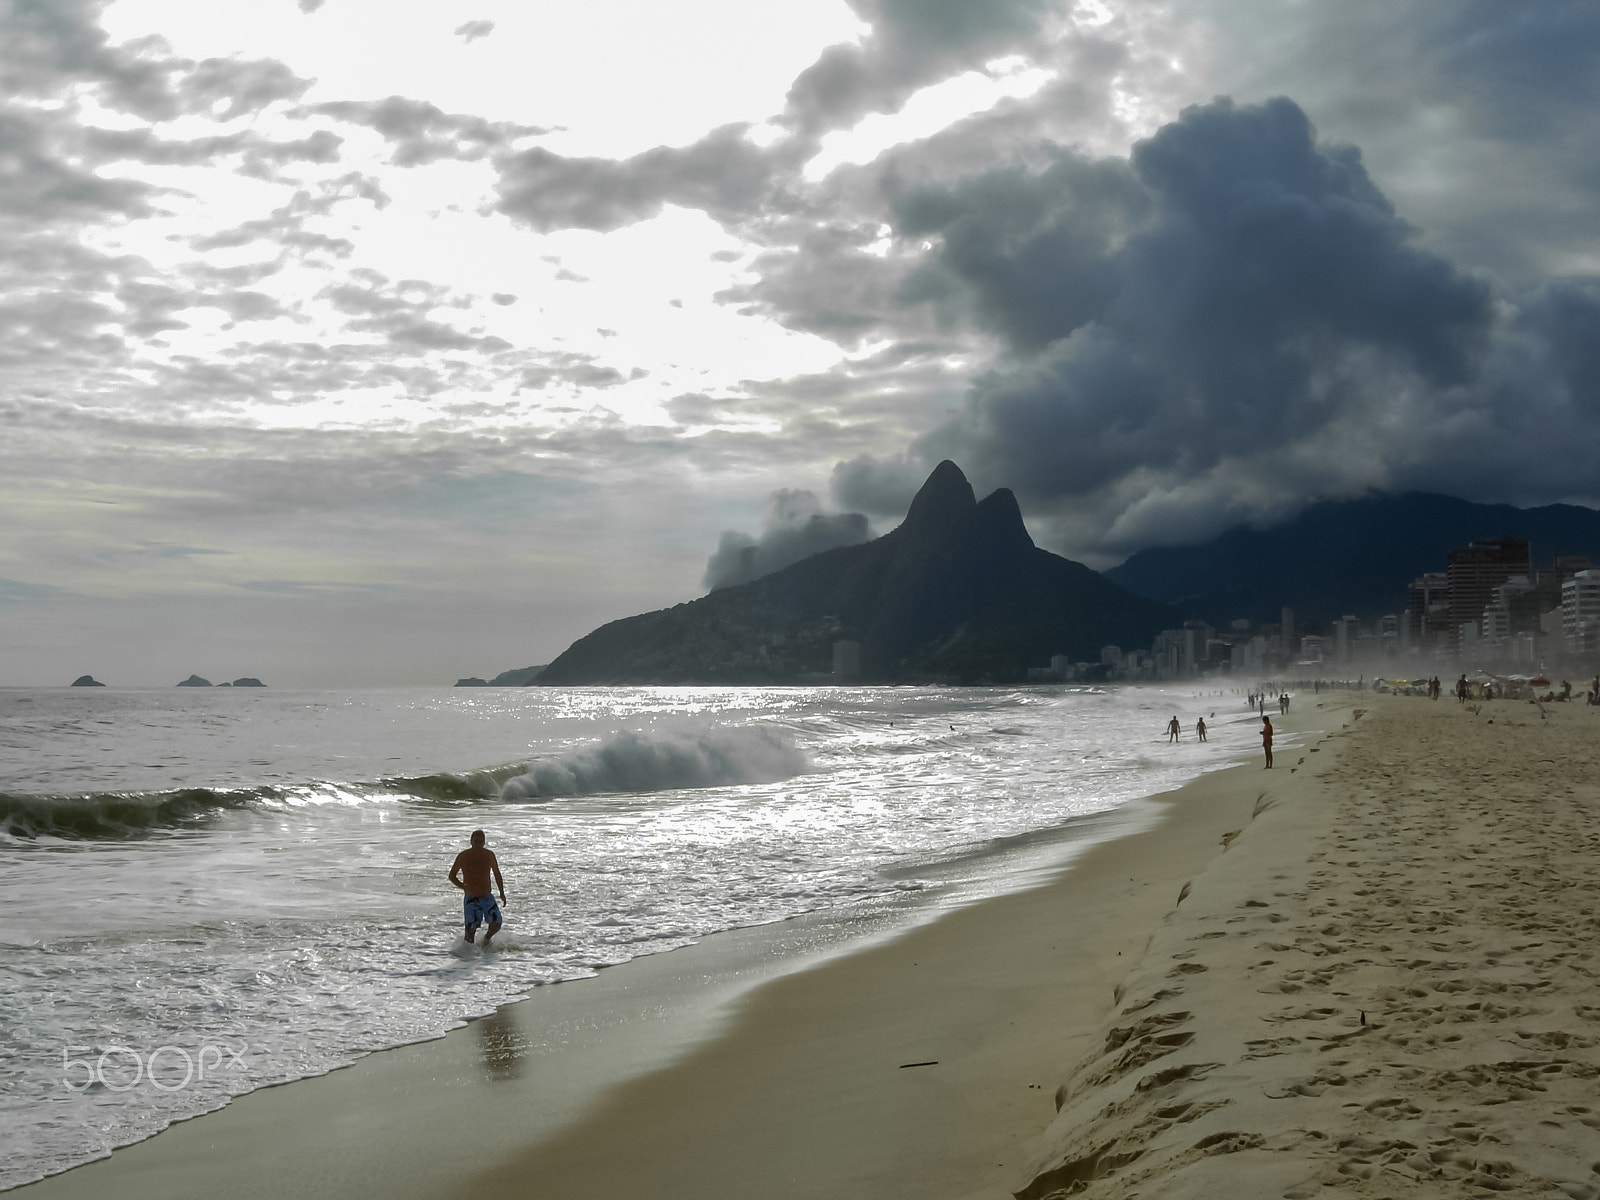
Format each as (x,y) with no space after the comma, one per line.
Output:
(207,891)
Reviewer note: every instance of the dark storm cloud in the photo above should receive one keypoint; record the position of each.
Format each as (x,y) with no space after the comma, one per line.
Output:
(422,133)
(1033,252)
(794,527)
(827,268)
(882,487)
(826,280)
(1563,319)
(1477,117)
(723,173)
(1529,428)
(1218,295)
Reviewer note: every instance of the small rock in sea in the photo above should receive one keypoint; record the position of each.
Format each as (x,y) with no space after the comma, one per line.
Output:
(87,681)
(472,681)
(248,681)
(195,681)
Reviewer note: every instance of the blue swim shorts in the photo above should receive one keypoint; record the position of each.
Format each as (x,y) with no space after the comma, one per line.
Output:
(480,910)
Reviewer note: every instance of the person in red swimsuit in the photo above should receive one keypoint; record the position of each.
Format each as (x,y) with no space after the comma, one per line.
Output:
(1266,739)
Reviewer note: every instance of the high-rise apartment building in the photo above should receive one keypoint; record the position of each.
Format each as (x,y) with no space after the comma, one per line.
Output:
(1428,610)
(1580,612)
(1475,570)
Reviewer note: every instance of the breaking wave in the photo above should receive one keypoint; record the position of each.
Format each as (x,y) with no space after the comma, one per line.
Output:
(628,763)
(118,815)
(633,762)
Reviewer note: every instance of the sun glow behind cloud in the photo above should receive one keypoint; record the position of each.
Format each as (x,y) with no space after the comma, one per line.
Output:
(927,112)
(631,314)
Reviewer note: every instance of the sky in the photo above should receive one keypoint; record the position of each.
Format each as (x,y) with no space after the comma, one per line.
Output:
(353,343)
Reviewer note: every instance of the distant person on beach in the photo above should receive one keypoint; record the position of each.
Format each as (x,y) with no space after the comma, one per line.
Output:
(1266,739)
(1200,729)
(471,872)
(1173,729)
(1461,690)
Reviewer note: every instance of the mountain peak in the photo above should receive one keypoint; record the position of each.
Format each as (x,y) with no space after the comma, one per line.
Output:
(945,498)
(1001,519)
(958,592)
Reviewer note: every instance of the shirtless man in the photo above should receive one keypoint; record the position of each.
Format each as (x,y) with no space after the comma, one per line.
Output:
(1266,739)
(476,865)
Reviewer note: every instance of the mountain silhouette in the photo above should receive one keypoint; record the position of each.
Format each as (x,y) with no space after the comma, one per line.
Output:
(957,593)
(1345,556)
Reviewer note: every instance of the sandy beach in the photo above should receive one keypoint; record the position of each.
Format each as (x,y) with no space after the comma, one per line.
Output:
(1369,971)
(1385,988)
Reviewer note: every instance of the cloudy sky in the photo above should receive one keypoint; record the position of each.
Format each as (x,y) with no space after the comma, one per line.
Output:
(364,342)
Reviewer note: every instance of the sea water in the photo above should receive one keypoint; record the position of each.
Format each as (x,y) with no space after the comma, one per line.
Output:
(206,891)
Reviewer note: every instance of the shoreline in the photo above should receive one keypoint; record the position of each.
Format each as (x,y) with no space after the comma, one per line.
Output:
(542,1070)
(926,1066)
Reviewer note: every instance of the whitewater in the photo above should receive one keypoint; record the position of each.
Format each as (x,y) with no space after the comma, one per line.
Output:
(203,892)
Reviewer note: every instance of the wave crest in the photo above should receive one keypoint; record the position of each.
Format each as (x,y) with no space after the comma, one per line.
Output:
(118,815)
(633,762)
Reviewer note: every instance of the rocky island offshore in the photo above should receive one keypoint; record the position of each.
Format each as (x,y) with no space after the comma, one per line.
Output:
(958,593)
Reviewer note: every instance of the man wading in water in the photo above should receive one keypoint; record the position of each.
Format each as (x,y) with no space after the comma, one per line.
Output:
(476,864)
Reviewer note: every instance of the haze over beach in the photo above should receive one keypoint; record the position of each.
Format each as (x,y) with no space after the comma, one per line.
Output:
(350,343)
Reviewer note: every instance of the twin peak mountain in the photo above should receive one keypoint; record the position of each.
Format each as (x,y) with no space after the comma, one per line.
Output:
(958,593)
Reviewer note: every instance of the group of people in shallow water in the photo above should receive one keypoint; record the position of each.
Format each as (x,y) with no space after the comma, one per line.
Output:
(1256,700)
